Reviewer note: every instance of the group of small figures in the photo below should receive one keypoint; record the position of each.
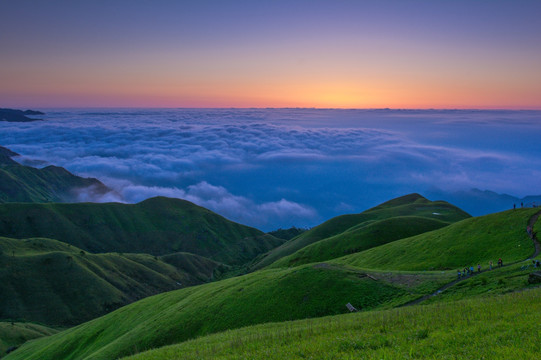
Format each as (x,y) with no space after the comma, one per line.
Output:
(470,270)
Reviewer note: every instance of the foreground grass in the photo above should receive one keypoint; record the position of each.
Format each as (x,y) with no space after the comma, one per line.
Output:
(467,242)
(500,327)
(266,296)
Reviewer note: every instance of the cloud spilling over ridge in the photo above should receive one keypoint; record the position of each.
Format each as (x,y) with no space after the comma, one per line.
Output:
(274,167)
(218,199)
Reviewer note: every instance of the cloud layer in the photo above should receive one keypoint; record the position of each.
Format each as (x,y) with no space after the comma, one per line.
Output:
(282,167)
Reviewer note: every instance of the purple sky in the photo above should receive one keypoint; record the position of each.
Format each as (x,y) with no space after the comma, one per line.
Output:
(352,54)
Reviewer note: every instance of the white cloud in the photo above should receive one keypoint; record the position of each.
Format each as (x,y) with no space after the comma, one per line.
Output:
(254,165)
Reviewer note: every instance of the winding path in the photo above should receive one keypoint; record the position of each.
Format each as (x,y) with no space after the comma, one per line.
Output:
(531,223)
(536,252)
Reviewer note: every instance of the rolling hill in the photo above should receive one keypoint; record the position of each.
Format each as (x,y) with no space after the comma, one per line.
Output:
(13,334)
(156,226)
(467,242)
(54,283)
(260,297)
(381,276)
(500,327)
(19,183)
(360,237)
(438,213)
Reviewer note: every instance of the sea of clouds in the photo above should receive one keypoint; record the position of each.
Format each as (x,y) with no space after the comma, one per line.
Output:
(273,168)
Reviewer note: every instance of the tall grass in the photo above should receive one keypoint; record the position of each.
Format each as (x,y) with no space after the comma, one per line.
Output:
(499,327)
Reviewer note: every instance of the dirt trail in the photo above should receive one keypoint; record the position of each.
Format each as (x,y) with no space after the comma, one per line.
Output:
(531,223)
(537,246)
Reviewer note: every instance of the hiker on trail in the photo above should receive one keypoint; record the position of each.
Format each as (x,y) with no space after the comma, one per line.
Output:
(478,268)
(490,264)
(514,206)
(464,272)
(500,262)
(471,270)
(459,275)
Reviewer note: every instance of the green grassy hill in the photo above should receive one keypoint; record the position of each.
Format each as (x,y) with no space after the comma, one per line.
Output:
(408,205)
(287,234)
(467,242)
(361,237)
(500,327)
(13,334)
(20,183)
(156,226)
(50,282)
(260,297)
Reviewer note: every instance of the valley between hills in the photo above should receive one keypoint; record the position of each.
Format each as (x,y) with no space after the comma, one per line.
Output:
(167,279)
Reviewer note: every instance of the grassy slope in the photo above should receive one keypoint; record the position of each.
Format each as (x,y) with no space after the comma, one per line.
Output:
(260,297)
(468,242)
(500,327)
(489,283)
(408,205)
(39,275)
(287,234)
(155,226)
(16,333)
(361,237)
(20,183)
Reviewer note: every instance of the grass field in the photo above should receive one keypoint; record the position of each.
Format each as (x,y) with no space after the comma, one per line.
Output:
(20,183)
(14,334)
(500,327)
(361,237)
(50,282)
(491,315)
(408,205)
(156,226)
(260,297)
(490,283)
(468,242)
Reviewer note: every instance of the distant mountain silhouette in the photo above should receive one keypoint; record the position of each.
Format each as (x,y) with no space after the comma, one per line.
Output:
(12,115)
(481,202)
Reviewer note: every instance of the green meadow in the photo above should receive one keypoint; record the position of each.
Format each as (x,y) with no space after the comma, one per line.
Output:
(468,242)
(265,296)
(497,327)
(13,334)
(380,261)
(156,226)
(356,232)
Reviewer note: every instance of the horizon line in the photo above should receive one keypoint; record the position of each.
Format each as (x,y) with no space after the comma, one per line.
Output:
(289,108)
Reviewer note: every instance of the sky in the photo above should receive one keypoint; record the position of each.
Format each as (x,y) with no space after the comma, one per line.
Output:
(323,54)
(272,168)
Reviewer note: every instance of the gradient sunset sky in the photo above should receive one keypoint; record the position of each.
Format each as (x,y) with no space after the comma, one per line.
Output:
(340,54)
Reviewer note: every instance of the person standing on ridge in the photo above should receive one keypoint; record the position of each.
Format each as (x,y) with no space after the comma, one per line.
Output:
(478,268)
